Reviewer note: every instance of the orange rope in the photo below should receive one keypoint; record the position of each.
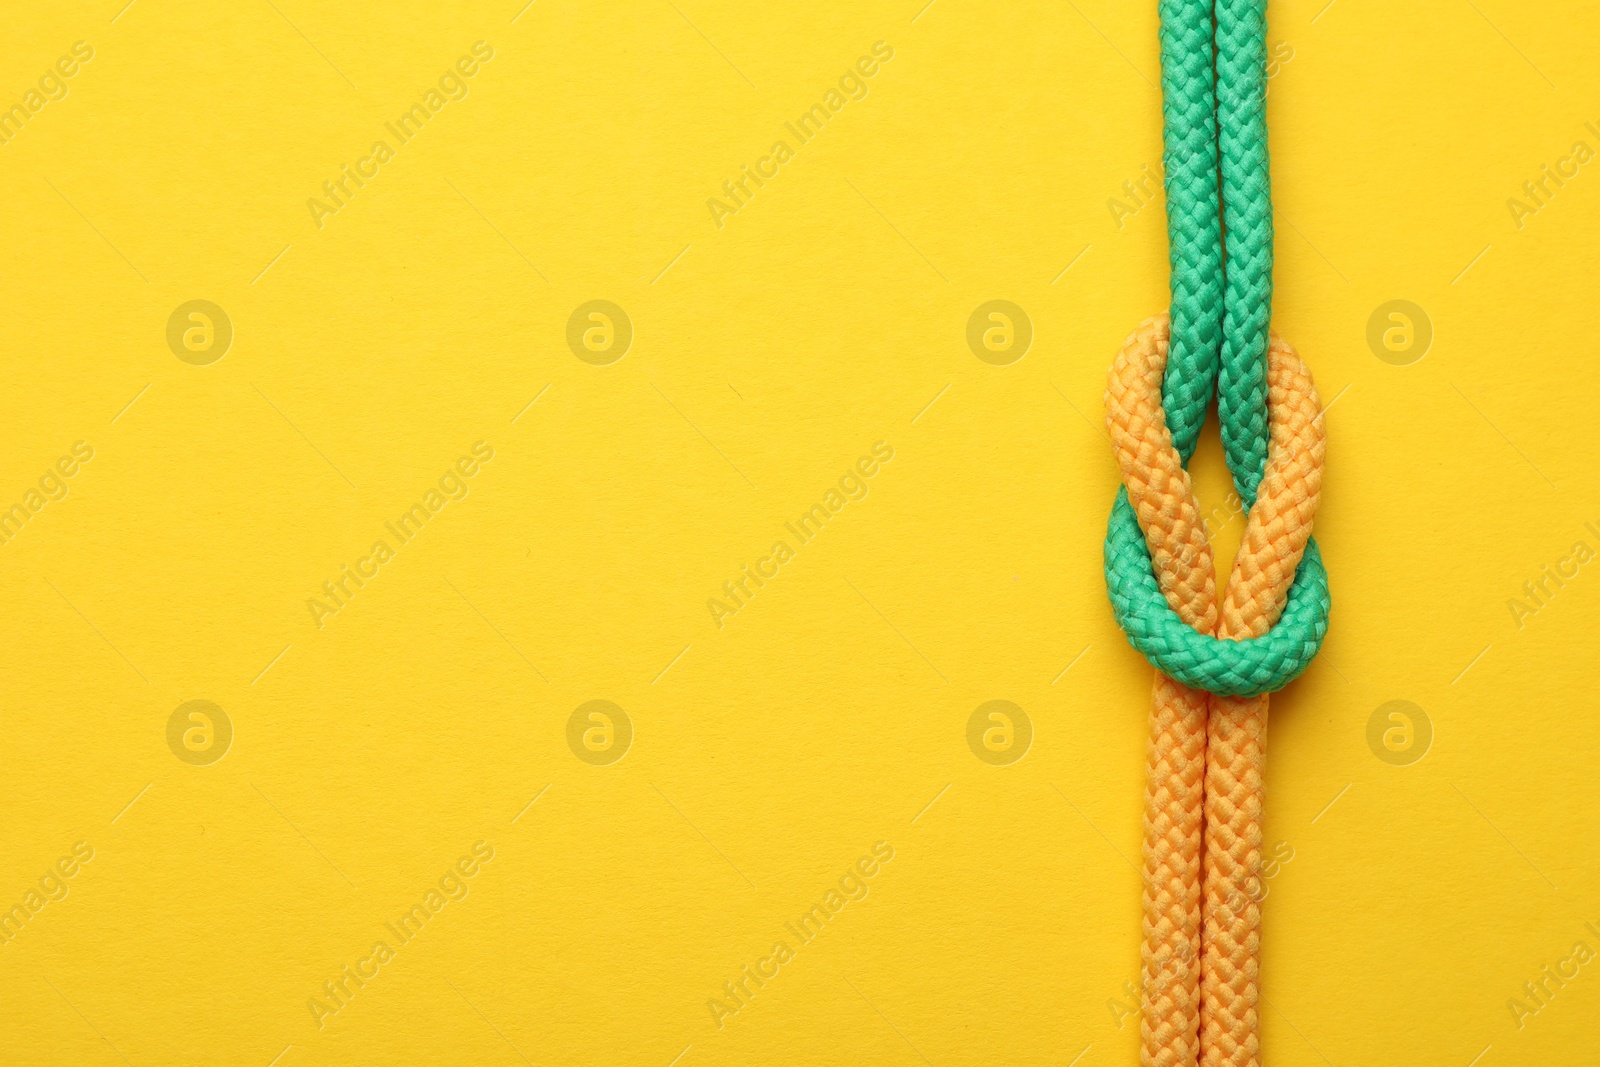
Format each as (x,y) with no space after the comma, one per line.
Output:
(1203,799)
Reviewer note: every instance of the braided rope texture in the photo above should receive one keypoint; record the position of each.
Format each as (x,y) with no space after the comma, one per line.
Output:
(1194,220)
(1202,850)
(1241,58)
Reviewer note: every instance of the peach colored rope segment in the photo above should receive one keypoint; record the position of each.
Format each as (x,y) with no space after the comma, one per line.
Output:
(1203,800)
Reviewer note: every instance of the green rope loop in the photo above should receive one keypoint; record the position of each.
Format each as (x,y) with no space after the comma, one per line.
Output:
(1245,668)
(1213,86)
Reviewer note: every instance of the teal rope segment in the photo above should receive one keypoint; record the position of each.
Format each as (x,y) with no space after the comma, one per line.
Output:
(1247,221)
(1194,223)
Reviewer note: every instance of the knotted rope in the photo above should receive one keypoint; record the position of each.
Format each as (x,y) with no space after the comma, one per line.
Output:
(1216,661)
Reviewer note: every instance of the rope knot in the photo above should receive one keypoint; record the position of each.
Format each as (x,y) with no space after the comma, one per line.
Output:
(1273,613)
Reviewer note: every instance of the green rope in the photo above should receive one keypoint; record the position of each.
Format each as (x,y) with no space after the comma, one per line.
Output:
(1247,215)
(1194,223)
(1213,85)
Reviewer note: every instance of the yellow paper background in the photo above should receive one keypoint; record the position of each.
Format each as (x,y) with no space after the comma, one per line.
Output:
(769,354)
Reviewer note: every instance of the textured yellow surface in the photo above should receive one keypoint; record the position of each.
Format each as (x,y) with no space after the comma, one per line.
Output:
(405,349)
